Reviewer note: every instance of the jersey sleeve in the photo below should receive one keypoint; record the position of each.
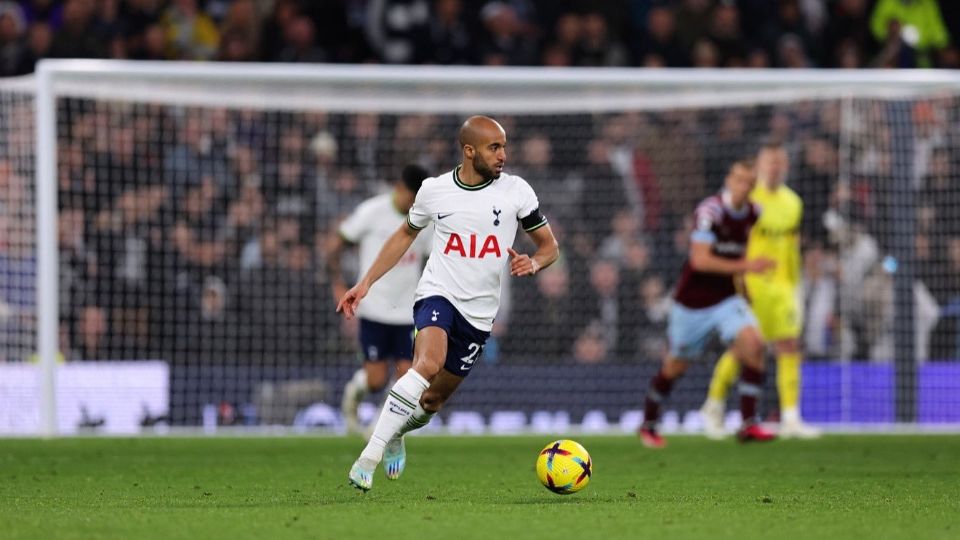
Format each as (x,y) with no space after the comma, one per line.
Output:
(528,212)
(420,213)
(705,220)
(356,225)
(423,242)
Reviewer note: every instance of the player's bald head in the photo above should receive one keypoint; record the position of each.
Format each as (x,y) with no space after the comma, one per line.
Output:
(479,129)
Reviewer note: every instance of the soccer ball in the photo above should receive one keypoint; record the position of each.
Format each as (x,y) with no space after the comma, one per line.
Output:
(564,467)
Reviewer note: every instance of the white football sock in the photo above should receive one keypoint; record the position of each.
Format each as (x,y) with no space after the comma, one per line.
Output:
(417,420)
(401,403)
(715,404)
(359,381)
(790,415)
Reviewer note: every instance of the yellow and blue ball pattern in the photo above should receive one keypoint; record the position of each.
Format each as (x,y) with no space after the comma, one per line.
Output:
(564,467)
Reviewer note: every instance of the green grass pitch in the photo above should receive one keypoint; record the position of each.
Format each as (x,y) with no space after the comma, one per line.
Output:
(875,487)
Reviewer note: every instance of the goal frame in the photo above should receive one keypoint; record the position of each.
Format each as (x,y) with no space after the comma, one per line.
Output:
(424,88)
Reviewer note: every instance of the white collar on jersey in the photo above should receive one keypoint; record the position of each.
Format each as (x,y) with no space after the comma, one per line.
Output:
(728,203)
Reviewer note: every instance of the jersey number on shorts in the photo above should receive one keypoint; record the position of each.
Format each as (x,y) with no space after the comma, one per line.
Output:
(469,359)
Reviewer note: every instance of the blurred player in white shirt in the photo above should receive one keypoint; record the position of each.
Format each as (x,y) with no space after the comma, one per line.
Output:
(386,316)
(476,211)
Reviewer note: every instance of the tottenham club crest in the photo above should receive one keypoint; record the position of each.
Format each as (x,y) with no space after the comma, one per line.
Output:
(496,216)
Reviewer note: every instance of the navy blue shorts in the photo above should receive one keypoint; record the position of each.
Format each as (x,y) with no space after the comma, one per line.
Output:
(386,341)
(464,341)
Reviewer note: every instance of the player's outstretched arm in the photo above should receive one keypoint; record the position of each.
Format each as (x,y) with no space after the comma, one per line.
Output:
(702,259)
(547,252)
(391,253)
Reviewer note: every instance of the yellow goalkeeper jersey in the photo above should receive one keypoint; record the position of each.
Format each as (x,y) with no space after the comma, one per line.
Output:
(776,236)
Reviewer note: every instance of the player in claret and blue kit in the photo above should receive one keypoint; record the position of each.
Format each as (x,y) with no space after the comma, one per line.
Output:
(476,210)
(708,300)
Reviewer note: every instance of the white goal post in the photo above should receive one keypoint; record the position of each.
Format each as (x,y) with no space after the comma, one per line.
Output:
(638,98)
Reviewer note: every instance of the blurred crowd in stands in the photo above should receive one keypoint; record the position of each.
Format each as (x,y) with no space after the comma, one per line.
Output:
(652,33)
(199,234)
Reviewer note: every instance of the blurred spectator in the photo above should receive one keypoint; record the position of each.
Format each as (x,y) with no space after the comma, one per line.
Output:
(558,190)
(598,47)
(12,48)
(362,147)
(910,29)
(137,16)
(38,42)
(77,37)
(543,318)
(195,235)
(272,28)
(661,42)
(278,303)
(647,314)
(399,30)
(847,37)
(790,21)
(705,54)
(48,11)
(191,33)
(214,332)
(693,20)
(555,55)
(816,174)
(300,42)
(567,32)
(603,194)
(604,311)
(240,31)
(197,154)
(791,53)
(152,45)
(451,41)
(243,21)
(92,334)
(724,32)
(508,40)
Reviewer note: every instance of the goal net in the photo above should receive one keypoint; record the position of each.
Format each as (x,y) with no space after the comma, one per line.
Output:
(194,202)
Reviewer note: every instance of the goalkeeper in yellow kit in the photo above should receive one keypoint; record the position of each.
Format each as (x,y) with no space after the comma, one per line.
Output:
(774,297)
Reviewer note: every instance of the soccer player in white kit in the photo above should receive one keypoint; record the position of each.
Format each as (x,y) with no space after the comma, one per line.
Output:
(386,316)
(475,210)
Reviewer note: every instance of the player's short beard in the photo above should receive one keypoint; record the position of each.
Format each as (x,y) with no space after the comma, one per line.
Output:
(483,170)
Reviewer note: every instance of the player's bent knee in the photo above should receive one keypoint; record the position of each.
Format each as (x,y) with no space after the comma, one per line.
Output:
(402,367)
(750,348)
(427,367)
(674,367)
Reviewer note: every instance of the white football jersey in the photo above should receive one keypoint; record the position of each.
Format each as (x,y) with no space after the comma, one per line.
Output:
(390,300)
(473,227)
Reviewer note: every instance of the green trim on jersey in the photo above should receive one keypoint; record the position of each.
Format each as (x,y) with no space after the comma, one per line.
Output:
(537,226)
(346,240)
(412,226)
(461,185)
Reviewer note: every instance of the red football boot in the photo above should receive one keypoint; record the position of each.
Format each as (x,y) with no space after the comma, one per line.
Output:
(754,432)
(650,438)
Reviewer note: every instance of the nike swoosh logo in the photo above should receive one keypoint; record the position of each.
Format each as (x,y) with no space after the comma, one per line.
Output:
(441,216)
(465,368)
